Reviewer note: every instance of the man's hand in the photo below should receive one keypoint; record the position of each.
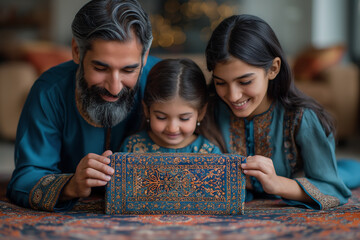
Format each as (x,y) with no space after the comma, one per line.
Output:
(92,171)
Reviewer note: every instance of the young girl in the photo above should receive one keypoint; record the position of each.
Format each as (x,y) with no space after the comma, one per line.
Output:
(261,114)
(174,103)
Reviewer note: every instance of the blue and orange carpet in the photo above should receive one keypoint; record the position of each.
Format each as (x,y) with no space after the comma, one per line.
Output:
(263,219)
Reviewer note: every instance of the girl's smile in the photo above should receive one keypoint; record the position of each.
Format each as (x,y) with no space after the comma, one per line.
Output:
(172,123)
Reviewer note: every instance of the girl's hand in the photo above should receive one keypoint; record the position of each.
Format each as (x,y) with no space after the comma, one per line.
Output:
(262,168)
(92,171)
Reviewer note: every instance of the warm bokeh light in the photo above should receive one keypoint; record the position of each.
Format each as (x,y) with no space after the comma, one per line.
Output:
(170,28)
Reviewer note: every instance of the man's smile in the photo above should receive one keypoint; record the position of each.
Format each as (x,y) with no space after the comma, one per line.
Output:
(109,98)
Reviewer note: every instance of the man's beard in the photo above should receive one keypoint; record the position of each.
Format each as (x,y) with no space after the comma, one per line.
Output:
(101,112)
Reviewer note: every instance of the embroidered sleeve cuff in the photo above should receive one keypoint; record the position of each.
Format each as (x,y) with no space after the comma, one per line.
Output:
(323,201)
(45,194)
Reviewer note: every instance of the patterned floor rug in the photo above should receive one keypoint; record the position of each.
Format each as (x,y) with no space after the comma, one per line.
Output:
(263,219)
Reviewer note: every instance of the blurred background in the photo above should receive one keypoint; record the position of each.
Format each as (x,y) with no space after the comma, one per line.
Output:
(320,37)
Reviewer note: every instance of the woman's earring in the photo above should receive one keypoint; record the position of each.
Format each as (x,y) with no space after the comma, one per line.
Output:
(198,124)
(148,120)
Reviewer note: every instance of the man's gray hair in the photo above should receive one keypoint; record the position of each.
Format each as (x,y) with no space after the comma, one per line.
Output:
(113,20)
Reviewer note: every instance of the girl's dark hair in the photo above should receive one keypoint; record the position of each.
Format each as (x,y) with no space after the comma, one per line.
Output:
(170,78)
(250,39)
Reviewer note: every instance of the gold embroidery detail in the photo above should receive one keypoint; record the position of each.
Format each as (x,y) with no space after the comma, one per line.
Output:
(262,140)
(326,201)
(47,180)
(237,136)
(292,121)
(45,193)
(37,196)
(139,148)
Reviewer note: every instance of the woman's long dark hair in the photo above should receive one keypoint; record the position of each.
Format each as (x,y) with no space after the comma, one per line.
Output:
(250,39)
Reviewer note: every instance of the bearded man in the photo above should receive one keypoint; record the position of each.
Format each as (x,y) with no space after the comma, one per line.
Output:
(78,112)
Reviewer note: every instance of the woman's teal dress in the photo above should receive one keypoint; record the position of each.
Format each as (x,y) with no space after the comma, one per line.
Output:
(298,146)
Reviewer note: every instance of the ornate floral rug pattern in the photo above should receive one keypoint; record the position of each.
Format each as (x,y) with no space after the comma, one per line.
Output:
(263,219)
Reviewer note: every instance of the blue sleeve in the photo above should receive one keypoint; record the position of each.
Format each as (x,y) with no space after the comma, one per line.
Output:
(349,170)
(38,177)
(37,151)
(124,145)
(321,180)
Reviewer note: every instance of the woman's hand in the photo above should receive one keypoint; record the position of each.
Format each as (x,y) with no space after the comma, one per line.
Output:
(262,168)
(92,171)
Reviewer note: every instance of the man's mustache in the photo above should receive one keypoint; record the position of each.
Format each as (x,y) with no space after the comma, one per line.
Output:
(103,92)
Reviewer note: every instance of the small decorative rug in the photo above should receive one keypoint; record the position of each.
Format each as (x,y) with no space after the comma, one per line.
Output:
(263,219)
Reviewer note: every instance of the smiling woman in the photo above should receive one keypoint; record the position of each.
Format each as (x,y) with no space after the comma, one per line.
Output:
(244,87)
(261,114)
